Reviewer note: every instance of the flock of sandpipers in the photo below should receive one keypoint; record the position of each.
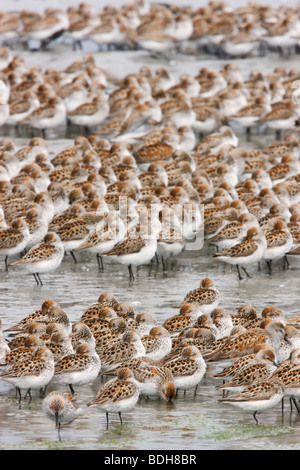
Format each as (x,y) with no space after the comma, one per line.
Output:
(215,28)
(140,358)
(157,166)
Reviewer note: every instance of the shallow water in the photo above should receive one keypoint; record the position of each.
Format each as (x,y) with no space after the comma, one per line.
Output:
(191,421)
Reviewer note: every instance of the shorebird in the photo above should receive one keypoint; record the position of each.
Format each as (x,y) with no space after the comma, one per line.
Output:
(47,116)
(14,239)
(80,368)
(118,395)
(206,296)
(136,249)
(257,397)
(31,373)
(60,407)
(245,253)
(279,243)
(44,257)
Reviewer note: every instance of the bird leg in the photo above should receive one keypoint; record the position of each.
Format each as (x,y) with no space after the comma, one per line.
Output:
(131,276)
(286,264)
(100,262)
(43,391)
(238,270)
(29,394)
(269,264)
(36,279)
(246,272)
(18,390)
(58,428)
(296,404)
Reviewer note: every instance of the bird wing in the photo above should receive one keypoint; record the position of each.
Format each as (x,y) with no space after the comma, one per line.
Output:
(20,107)
(118,353)
(40,252)
(277,238)
(255,392)
(127,246)
(249,375)
(40,113)
(8,239)
(71,363)
(181,366)
(22,369)
(73,230)
(245,248)
(149,342)
(84,109)
(114,390)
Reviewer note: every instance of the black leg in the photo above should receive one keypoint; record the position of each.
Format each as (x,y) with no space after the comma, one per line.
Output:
(58,431)
(73,256)
(77,43)
(254,416)
(286,264)
(238,270)
(38,276)
(269,264)
(72,389)
(36,279)
(6,263)
(100,262)
(245,272)
(296,405)
(28,394)
(120,417)
(106,420)
(131,276)
(224,391)
(164,264)
(43,391)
